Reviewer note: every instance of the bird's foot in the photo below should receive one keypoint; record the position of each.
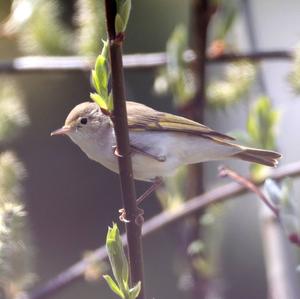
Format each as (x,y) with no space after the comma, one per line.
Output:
(116,152)
(139,219)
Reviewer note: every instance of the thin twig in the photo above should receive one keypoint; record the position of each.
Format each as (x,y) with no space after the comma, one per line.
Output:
(226,172)
(198,203)
(133,228)
(150,61)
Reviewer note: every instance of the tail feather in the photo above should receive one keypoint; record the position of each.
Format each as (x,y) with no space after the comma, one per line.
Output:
(264,157)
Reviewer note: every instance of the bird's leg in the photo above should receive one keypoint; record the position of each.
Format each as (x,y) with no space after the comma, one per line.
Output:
(137,150)
(115,151)
(139,218)
(144,152)
(156,184)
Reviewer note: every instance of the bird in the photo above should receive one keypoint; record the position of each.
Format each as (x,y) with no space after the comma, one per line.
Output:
(160,142)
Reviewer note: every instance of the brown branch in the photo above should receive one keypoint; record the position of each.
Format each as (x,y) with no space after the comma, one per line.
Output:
(200,17)
(226,172)
(133,228)
(150,61)
(198,203)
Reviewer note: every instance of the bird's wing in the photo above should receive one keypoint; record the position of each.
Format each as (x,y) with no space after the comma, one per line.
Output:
(141,117)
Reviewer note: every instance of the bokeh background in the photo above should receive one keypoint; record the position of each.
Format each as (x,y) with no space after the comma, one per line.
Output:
(71,200)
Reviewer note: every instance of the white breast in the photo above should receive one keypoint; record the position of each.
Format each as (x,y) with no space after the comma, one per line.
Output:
(178,149)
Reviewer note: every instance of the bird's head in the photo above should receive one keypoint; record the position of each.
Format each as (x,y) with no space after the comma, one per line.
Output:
(84,122)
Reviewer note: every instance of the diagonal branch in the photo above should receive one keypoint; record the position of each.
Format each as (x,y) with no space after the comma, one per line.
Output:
(226,172)
(198,203)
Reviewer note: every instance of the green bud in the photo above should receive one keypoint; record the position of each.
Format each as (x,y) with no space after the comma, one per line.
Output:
(113,286)
(117,257)
(101,75)
(122,16)
(99,100)
(100,79)
(104,51)
(119,25)
(134,292)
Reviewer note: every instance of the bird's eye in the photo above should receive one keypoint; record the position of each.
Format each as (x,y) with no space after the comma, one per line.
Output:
(83,120)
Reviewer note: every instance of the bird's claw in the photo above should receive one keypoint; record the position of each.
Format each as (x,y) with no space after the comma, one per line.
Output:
(139,219)
(116,152)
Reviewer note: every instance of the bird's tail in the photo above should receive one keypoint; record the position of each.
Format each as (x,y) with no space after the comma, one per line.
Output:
(264,157)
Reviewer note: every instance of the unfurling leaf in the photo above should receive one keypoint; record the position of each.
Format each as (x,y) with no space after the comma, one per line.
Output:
(122,16)
(99,100)
(134,292)
(117,257)
(113,286)
(100,80)
(119,25)
(101,75)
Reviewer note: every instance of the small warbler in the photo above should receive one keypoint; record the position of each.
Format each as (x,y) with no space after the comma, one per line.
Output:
(160,142)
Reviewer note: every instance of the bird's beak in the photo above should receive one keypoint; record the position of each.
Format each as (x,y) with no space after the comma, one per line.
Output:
(62,131)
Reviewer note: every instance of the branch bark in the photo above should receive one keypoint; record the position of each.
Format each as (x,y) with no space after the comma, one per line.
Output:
(200,17)
(150,61)
(133,229)
(198,203)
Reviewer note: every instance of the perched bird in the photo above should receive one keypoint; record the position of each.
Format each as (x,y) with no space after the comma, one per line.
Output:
(160,142)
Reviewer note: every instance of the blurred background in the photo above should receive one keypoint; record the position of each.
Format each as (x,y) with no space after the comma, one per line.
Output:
(70,200)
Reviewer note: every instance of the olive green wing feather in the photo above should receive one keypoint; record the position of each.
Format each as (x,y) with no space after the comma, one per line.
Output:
(141,117)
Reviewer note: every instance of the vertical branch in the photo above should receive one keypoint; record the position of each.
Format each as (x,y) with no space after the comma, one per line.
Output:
(200,19)
(133,229)
(200,15)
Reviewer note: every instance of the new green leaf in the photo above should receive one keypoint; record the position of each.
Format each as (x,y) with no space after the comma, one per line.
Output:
(117,257)
(122,16)
(119,25)
(100,80)
(99,100)
(134,292)
(113,286)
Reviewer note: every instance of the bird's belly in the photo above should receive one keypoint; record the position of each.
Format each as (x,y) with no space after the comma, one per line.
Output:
(144,168)
(147,169)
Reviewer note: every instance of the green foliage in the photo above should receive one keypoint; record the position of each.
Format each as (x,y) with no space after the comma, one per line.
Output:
(44,32)
(239,77)
(172,194)
(261,123)
(294,75)
(282,196)
(90,21)
(122,17)
(261,130)
(100,80)
(15,256)
(119,265)
(12,112)
(176,77)
(224,20)
(39,29)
